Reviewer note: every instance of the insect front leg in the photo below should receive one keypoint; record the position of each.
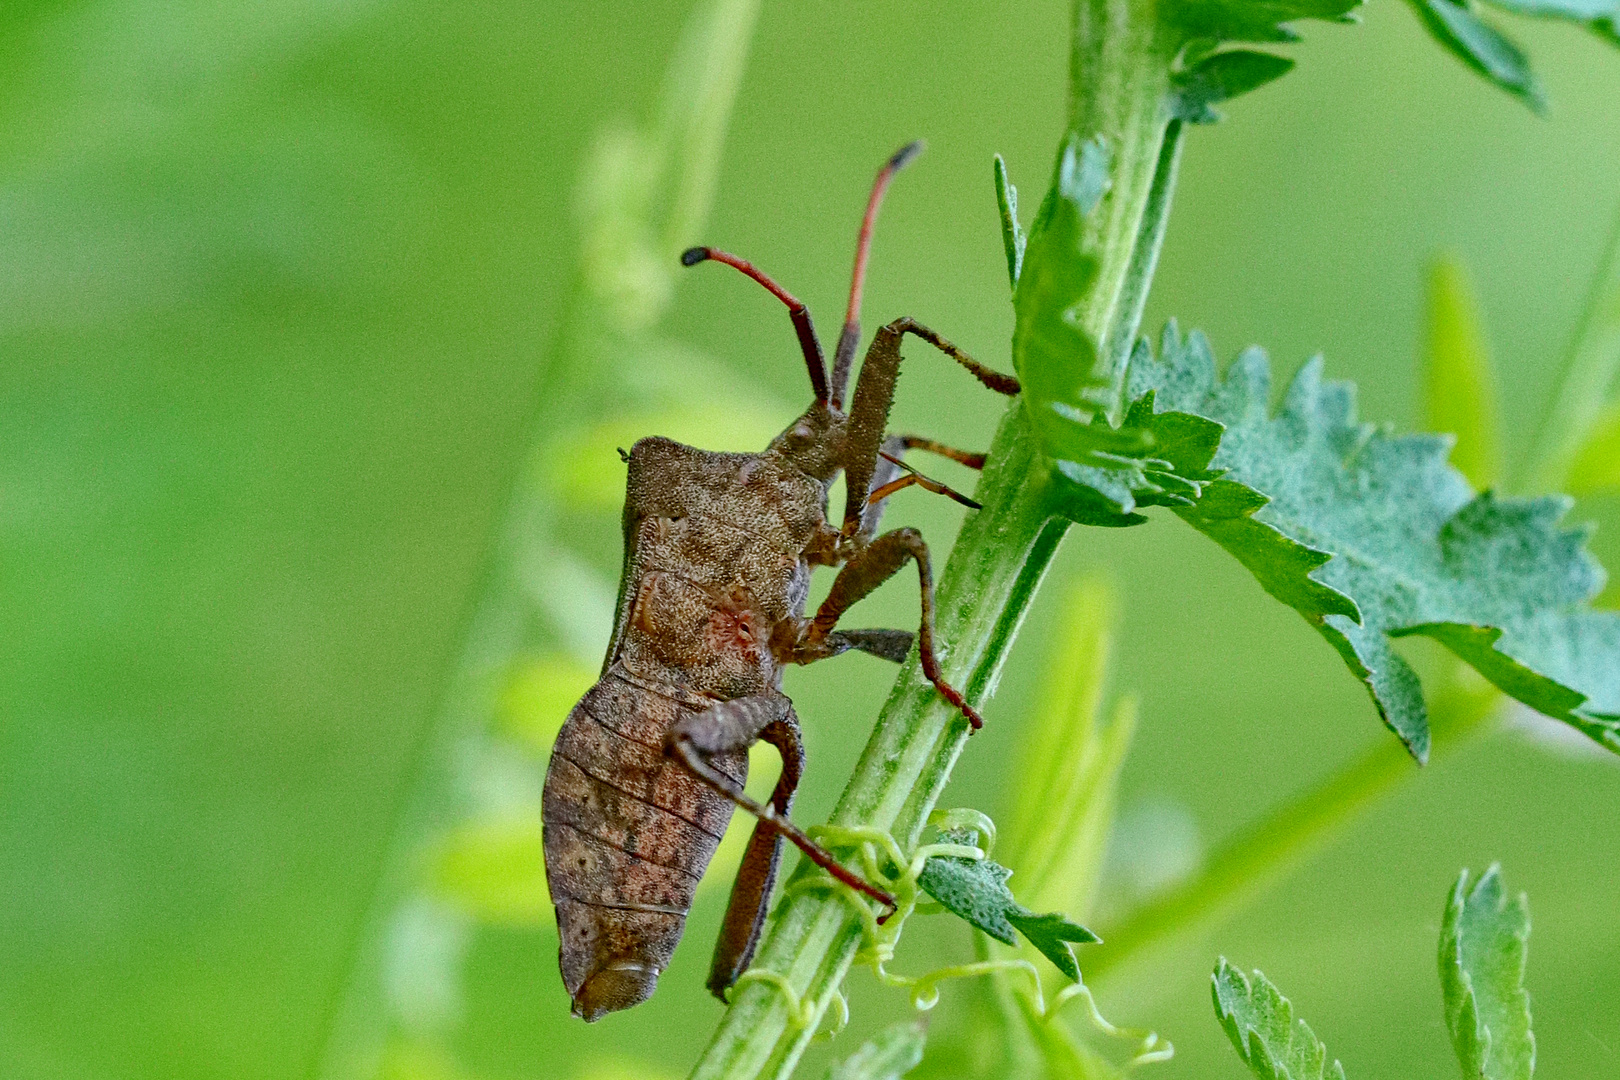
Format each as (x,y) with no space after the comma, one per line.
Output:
(733,725)
(868,568)
(869,412)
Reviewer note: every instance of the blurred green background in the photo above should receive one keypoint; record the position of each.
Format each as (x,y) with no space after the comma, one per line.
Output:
(277,280)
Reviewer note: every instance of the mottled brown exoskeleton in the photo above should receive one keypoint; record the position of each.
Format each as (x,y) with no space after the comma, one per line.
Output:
(718,550)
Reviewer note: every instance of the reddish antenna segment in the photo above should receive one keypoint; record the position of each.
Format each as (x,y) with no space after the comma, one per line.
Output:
(850,337)
(809,344)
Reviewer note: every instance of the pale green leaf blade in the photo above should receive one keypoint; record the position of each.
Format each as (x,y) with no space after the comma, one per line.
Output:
(1371,536)
(1482,47)
(1483,941)
(889,1055)
(1459,389)
(1057,361)
(1596,470)
(1260,1022)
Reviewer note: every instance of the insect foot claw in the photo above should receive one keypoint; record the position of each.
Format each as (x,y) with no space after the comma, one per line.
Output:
(617,986)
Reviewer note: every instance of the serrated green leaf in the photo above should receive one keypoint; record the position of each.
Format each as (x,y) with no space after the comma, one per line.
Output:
(1054,935)
(1459,391)
(1222,77)
(1483,941)
(1260,1022)
(1596,470)
(1153,459)
(1482,47)
(1371,536)
(1012,235)
(976,891)
(889,1055)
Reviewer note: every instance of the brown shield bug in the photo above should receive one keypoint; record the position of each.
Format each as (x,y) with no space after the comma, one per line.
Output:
(718,550)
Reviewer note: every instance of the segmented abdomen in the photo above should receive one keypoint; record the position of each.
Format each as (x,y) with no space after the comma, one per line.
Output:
(628,833)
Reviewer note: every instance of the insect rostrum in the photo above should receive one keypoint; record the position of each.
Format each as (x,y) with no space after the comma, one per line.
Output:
(718,551)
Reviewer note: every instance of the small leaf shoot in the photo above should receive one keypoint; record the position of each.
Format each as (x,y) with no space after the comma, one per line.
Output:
(1012,234)
(1483,941)
(1260,1022)
(1220,78)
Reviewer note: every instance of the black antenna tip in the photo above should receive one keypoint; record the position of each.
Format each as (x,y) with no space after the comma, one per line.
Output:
(694,255)
(904,155)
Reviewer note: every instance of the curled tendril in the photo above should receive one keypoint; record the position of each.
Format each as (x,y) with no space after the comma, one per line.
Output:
(882,860)
(965,817)
(1149,1047)
(801,1013)
(840,1022)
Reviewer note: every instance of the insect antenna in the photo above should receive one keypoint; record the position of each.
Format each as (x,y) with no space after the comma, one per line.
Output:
(809,344)
(850,337)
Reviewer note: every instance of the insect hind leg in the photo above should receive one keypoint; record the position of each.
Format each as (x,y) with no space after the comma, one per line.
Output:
(756,875)
(736,725)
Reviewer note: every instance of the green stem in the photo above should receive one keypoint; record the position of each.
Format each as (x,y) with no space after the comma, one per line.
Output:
(1119,79)
(1263,853)
(1145,255)
(811,937)
(1589,369)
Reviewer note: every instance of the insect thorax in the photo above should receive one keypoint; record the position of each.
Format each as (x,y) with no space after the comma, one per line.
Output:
(715,560)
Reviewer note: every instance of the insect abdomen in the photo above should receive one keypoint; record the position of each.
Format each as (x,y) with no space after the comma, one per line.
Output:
(628,833)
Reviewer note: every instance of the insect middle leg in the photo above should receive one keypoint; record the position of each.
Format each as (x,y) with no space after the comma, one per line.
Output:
(870,567)
(917,442)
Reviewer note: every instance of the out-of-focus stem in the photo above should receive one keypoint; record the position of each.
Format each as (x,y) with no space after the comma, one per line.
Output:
(1262,854)
(1588,378)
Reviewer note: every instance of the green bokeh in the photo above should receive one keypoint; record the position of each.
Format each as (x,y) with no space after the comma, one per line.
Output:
(275,284)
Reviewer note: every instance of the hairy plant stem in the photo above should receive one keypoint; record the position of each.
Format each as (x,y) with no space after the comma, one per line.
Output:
(812,936)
